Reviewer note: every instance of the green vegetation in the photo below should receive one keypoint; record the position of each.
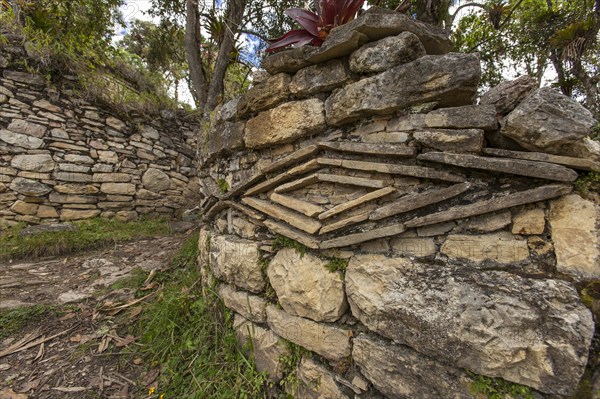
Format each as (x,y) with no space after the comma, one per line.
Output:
(337,265)
(223,185)
(289,363)
(14,320)
(91,234)
(588,182)
(283,242)
(497,388)
(191,337)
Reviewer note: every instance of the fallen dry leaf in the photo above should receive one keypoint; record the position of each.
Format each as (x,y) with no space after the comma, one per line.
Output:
(125,341)
(40,352)
(5,366)
(71,389)
(151,376)
(137,361)
(8,393)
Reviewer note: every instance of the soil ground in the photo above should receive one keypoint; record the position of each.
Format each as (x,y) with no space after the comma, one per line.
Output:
(79,345)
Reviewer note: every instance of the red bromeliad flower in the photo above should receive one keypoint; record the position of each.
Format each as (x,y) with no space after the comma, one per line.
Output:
(318,24)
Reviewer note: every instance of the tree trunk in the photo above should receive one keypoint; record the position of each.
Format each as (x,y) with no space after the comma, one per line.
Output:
(565,87)
(233,18)
(193,40)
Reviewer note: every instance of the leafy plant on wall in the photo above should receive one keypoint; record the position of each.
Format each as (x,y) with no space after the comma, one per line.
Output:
(327,15)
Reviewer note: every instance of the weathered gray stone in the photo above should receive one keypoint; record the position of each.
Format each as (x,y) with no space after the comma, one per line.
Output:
(386,53)
(487,223)
(236,261)
(294,218)
(47,228)
(24,208)
(419,247)
(111,178)
(23,77)
(266,347)
(307,208)
(401,373)
(495,204)
(320,78)
(156,180)
(76,214)
(290,61)
(405,85)
(72,199)
(571,162)
(71,167)
(126,216)
(224,138)
(451,140)
(79,159)
(28,187)
(34,163)
(252,307)
(227,112)
(503,248)
(21,140)
(305,287)
(108,156)
(377,23)
(540,170)
(294,234)
(358,238)
(466,117)
(115,123)
(548,121)
(507,95)
(118,188)
(149,132)
(285,123)
(329,341)
(371,149)
(529,331)
(72,177)
(531,221)
(76,189)
(415,201)
(574,230)
(317,382)
(28,128)
(47,212)
(272,92)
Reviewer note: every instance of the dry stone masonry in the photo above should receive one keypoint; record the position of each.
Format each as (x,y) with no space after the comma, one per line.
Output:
(361,205)
(62,158)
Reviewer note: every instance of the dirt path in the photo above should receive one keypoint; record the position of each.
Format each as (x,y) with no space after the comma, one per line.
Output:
(80,346)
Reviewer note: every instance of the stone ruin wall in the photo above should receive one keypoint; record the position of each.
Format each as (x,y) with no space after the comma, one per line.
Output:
(460,243)
(62,158)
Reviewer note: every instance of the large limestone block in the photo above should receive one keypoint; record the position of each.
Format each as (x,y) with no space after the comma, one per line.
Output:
(550,122)
(400,372)
(236,261)
(574,224)
(320,78)
(449,79)
(317,382)
(507,95)
(156,180)
(291,60)
(33,163)
(24,208)
(28,187)
(500,247)
(268,94)
(451,140)
(331,342)
(252,307)
(28,128)
(305,287)
(531,221)
(467,117)
(287,122)
(224,138)
(266,347)
(386,53)
(78,214)
(118,188)
(529,331)
(21,140)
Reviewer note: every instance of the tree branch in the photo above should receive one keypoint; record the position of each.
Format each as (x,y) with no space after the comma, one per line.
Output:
(502,25)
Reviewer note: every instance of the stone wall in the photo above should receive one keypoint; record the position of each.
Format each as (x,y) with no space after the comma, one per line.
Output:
(63,158)
(361,206)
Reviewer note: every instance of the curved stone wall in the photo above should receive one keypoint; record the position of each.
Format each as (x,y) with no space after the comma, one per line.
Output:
(62,158)
(363,207)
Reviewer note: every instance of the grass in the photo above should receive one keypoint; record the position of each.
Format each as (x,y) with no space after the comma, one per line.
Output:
(337,265)
(497,388)
(588,182)
(283,242)
(191,337)
(13,320)
(91,234)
